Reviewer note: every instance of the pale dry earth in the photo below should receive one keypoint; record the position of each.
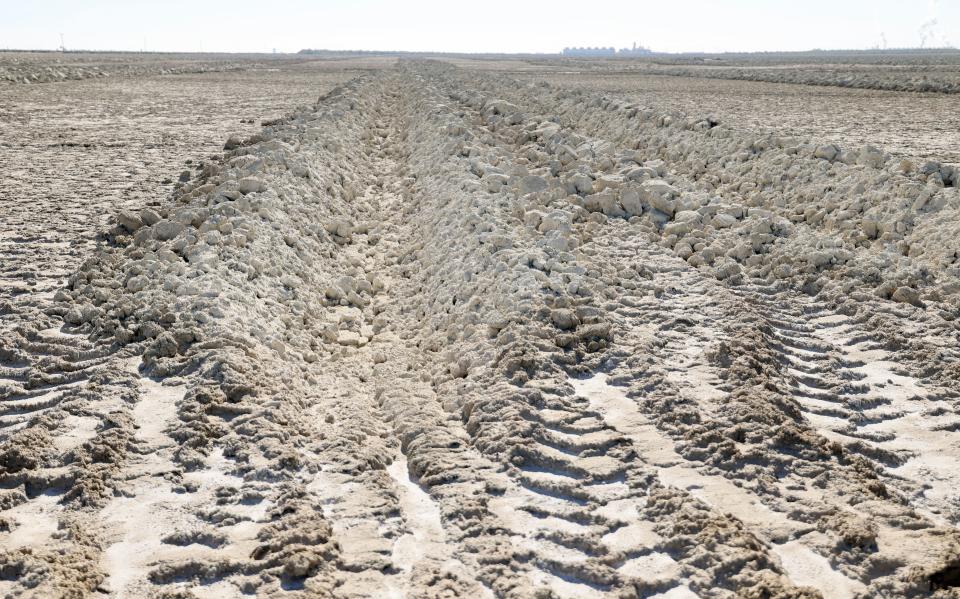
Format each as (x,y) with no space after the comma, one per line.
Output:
(908,124)
(921,70)
(46,67)
(442,333)
(73,153)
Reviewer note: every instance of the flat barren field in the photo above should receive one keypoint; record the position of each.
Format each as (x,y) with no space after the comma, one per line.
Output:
(379,327)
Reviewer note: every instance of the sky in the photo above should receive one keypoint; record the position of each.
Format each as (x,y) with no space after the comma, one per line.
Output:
(508,26)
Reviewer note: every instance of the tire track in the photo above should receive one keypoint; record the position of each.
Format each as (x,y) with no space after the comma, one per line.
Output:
(803,566)
(567,486)
(853,391)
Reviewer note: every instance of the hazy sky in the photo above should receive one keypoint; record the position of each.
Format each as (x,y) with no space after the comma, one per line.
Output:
(482,26)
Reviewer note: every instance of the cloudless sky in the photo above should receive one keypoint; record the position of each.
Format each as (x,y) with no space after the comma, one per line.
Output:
(481,26)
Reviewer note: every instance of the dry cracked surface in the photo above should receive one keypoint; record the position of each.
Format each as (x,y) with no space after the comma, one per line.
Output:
(445,333)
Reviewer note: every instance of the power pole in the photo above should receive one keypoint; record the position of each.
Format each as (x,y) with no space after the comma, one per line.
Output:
(63,47)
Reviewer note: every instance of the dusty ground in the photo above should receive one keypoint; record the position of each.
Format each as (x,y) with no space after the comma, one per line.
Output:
(44,67)
(930,70)
(75,152)
(447,333)
(909,124)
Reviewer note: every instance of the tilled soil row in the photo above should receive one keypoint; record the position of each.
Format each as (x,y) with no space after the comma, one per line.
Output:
(929,79)
(384,348)
(17,68)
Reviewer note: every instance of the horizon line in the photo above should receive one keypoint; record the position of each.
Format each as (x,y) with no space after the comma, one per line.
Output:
(308,51)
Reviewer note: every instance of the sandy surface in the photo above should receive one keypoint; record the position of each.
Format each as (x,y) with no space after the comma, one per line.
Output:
(77,151)
(907,123)
(430,330)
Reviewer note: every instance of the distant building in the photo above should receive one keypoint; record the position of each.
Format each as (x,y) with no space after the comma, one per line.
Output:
(635,51)
(611,51)
(589,51)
